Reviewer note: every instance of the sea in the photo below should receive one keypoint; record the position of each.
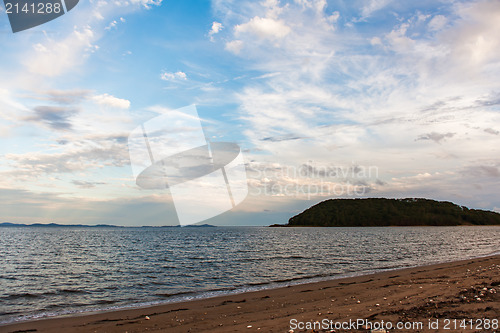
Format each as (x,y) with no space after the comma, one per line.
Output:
(46,272)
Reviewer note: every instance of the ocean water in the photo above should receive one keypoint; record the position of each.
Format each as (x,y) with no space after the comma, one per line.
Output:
(59,271)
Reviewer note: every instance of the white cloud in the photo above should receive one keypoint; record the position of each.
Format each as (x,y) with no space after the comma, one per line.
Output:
(399,41)
(375,41)
(264,28)
(373,6)
(111,101)
(473,41)
(334,17)
(216,28)
(9,105)
(167,76)
(54,57)
(64,97)
(234,46)
(56,54)
(74,158)
(280,37)
(437,22)
(147,3)
(111,25)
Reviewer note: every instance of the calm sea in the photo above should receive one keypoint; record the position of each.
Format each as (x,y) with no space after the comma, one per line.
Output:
(56,271)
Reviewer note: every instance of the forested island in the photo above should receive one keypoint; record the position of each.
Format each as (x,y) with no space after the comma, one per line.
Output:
(373,212)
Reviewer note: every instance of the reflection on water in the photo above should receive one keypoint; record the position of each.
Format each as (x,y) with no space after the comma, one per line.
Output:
(48,271)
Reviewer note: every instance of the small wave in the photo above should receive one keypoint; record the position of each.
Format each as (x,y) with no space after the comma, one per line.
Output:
(9,313)
(72,291)
(65,305)
(172,294)
(250,259)
(272,258)
(494,253)
(244,251)
(22,295)
(158,283)
(286,257)
(8,277)
(111,288)
(104,301)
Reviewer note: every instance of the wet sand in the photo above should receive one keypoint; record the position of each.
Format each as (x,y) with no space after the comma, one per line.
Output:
(435,295)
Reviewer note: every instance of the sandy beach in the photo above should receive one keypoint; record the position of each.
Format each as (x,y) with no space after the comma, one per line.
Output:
(462,296)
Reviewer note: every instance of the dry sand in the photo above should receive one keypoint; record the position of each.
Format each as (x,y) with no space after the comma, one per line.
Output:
(464,290)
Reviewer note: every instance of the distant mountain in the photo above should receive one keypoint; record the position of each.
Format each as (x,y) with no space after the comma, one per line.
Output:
(199,226)
(391,212)
(53,225)
(7,224)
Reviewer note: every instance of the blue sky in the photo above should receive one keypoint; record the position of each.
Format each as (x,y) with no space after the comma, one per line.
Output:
(327,99)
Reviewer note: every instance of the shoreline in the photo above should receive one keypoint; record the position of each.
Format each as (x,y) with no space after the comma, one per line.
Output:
(270,310)
(208,294)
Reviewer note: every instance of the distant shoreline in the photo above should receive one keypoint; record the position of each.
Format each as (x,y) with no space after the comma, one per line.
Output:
(56,225)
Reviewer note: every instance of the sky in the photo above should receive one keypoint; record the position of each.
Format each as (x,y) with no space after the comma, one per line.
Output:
(327,99)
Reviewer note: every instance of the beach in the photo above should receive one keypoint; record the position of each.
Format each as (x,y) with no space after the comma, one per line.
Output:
(460,296)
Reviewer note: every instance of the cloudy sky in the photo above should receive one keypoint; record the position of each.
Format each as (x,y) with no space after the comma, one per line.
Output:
(372,98)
